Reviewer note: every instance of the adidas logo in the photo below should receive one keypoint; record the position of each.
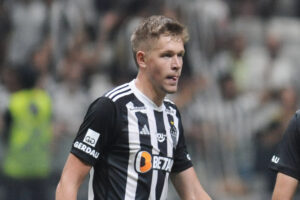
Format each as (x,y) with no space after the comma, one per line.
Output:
(145,130)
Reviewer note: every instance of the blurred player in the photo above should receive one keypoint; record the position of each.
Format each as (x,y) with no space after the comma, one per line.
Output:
(131,139)
(287,162)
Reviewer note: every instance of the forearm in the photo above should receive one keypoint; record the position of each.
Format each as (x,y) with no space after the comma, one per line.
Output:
(188,186)
(199,193)
(64,191)
(73,175)
(196,192)
(285,187)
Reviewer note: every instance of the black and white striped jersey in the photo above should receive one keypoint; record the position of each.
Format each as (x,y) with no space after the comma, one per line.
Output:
(131,144)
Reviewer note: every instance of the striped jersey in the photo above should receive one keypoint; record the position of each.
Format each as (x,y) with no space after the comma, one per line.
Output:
(132,145)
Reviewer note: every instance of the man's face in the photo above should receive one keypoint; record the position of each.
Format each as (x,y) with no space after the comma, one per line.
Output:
(164,63)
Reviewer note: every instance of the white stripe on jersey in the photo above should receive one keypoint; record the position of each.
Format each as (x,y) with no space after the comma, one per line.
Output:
(121,95)
(116,89)
(169,151)
(164,192)
(168,133)
(133,139)
(155,150)
(176,123)
(118,92)
(91,190)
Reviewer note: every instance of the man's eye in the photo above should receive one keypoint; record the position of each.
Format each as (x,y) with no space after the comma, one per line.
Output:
(180,55)
(167,55)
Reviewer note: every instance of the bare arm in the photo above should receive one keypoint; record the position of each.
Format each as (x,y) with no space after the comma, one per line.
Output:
(72,176)
(285,187)
(188,186)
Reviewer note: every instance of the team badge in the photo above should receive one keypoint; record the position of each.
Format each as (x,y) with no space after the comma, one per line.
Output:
(173,129)
(173,132)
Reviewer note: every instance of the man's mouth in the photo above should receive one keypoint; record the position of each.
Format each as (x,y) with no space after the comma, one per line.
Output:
(173,78)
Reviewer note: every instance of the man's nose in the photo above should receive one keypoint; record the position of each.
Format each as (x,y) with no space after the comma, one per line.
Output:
(176,62)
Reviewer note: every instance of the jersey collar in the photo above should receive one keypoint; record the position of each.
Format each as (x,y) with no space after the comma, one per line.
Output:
(142,97)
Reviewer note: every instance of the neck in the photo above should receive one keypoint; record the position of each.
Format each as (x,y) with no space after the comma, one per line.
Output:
(148,89)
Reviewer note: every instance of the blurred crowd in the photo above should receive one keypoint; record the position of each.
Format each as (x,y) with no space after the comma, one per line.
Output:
(238,90)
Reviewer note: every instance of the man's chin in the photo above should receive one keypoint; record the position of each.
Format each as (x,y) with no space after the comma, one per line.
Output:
(171,90)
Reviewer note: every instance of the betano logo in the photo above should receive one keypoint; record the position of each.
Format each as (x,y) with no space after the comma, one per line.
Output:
(144,162)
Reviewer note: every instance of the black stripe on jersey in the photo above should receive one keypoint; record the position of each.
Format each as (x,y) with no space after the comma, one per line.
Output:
(162,145)
(143,186)
(117,187)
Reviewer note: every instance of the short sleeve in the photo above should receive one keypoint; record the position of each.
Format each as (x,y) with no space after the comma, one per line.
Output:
(287,158)
(182,160)
(96,131)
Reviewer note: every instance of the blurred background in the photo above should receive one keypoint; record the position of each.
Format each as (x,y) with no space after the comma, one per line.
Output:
(240,83)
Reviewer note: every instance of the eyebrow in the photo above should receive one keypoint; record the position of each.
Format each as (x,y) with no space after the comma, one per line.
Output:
(173,52)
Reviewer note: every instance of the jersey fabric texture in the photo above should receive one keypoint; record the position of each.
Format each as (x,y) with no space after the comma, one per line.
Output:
(131,144)
(287,159)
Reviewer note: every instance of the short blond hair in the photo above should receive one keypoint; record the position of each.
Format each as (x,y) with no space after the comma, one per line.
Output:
(152,28)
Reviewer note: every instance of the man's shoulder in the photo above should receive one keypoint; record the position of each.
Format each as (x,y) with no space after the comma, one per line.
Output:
(118,92)
(294,126)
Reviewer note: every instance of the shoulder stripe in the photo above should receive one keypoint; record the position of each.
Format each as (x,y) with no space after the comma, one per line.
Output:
(116,89)
(112,96)
(119,95)
(119,91)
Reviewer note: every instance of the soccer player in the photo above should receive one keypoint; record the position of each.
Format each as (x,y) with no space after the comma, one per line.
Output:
(131,140)
(287,162)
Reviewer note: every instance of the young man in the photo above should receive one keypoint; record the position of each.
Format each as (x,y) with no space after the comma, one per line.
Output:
(287,162)
(131,139)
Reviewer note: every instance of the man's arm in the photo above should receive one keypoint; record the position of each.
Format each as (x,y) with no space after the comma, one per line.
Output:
(188,186)
(285,187)
(72,176)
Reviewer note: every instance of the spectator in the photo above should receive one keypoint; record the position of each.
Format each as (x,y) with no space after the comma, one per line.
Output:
(27,135)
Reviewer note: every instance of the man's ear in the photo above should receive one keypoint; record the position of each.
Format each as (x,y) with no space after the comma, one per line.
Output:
(141,59)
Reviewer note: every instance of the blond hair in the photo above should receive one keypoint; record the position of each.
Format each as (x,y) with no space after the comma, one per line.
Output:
(152,28)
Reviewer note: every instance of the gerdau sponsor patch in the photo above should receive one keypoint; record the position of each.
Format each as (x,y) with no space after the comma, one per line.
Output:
(86,149)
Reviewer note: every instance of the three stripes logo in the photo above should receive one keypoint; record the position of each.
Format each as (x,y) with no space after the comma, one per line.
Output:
(145,130)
